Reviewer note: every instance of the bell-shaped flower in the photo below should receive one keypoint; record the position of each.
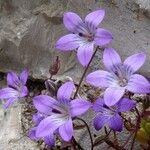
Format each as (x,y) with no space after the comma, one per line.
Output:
(84,35)
(16,88)
(59,112)
(110,116)
(120,76)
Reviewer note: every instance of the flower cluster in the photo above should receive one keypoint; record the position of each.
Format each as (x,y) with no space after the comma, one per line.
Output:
(55,115)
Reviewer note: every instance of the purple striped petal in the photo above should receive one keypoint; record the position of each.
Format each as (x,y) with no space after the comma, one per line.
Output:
(95,17)
(100,121)
(111,59)
(85,53)
(102,37)
(65,91)
(37,118)
(98,105)
(24,76)
(113,95)
(69,42)
(125,104)
(138,84)
(12,79)
(7,93)
(32,134)
(44,103)
(66,130)
(49,140)
(135,61)
(115,123)
(79,107)
(50,124)
(23,91)
(100,78)
(9,102)
(71,21)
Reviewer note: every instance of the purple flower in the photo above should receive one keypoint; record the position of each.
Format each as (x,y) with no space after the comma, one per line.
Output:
(16,87)
(49,139)
(120,77)
(111,115)
(84,35)
(60,112)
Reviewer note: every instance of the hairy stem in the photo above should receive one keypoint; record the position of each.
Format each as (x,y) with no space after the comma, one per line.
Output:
(92,144)
(84,73)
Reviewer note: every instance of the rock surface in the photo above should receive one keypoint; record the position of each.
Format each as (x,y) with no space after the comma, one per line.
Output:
(29,30)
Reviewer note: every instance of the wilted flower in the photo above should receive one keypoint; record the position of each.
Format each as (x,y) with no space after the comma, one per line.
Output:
(60,112)
(111,115)
(120,77)
(85,34)
(49,139)
(16,87)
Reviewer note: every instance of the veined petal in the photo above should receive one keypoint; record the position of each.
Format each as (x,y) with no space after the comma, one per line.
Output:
(135,61)
(79,107)
(50,124)
(85,53)
(71,21)
(32,134)
(115,123)
(138,84)
(49,140)
(113,95)
(125,104)
(12,79)
(7,93)
(69,42)
(98,105)
(66,130)
(95,17)
(23,91)
(9,102)
(44,103)
(102,37)
(100,78)
(99,121)
(24,76)
(111,58)
(65,91)
(37,118)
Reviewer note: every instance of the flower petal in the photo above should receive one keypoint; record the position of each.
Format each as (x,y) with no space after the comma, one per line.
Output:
(113,95)
(99,121)
(135,61)
(49,140)
(111,59)
(138,84)
(12,79)
(50,124)
(9,102)
(125,104)
(95,17)
(7,93)
(32,134)
(71,21)
(37,118)
(65,91)
(79,107)
(44,103)
(24,76)
(115,123)
(98,105)
(66,130)
(69,42)
(102,37)
(23,91)
(100,78)
(85,53)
